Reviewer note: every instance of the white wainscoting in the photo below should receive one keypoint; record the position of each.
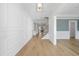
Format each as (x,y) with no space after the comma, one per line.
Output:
(62,35)
(77,34)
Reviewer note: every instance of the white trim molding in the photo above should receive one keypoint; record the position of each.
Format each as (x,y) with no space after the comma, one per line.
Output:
(55,41)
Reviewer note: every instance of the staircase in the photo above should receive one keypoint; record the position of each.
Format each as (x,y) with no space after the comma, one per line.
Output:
(41,26)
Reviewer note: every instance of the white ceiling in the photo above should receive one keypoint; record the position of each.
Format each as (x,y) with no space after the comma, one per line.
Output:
(51,9)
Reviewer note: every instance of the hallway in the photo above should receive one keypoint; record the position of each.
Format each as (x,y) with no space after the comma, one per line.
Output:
(43,47)
(20,22)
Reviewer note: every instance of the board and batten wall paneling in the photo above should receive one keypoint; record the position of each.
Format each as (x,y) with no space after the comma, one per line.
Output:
(62,25)
(19,28)
(77,32)
(12,29)
(62,29)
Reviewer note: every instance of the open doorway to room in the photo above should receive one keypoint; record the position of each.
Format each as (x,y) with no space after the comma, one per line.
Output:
(72,29)
(41,27)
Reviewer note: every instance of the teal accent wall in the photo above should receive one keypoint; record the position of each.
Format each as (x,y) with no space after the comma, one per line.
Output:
(62,25)
(77,25)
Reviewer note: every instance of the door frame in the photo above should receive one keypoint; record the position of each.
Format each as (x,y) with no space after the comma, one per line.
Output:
(75,26)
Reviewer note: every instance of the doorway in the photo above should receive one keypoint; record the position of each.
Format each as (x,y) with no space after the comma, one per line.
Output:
(72,28)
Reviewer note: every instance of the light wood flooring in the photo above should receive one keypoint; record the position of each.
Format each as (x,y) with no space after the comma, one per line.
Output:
(43,47)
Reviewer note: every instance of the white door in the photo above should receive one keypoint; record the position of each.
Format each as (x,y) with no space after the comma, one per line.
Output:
(72,29)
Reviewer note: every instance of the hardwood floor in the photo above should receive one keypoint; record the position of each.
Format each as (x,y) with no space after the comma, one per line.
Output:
(43,47)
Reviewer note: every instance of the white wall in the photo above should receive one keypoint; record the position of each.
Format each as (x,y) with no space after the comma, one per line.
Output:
(3,27)
(51,29)
(15,28)
(19,28)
